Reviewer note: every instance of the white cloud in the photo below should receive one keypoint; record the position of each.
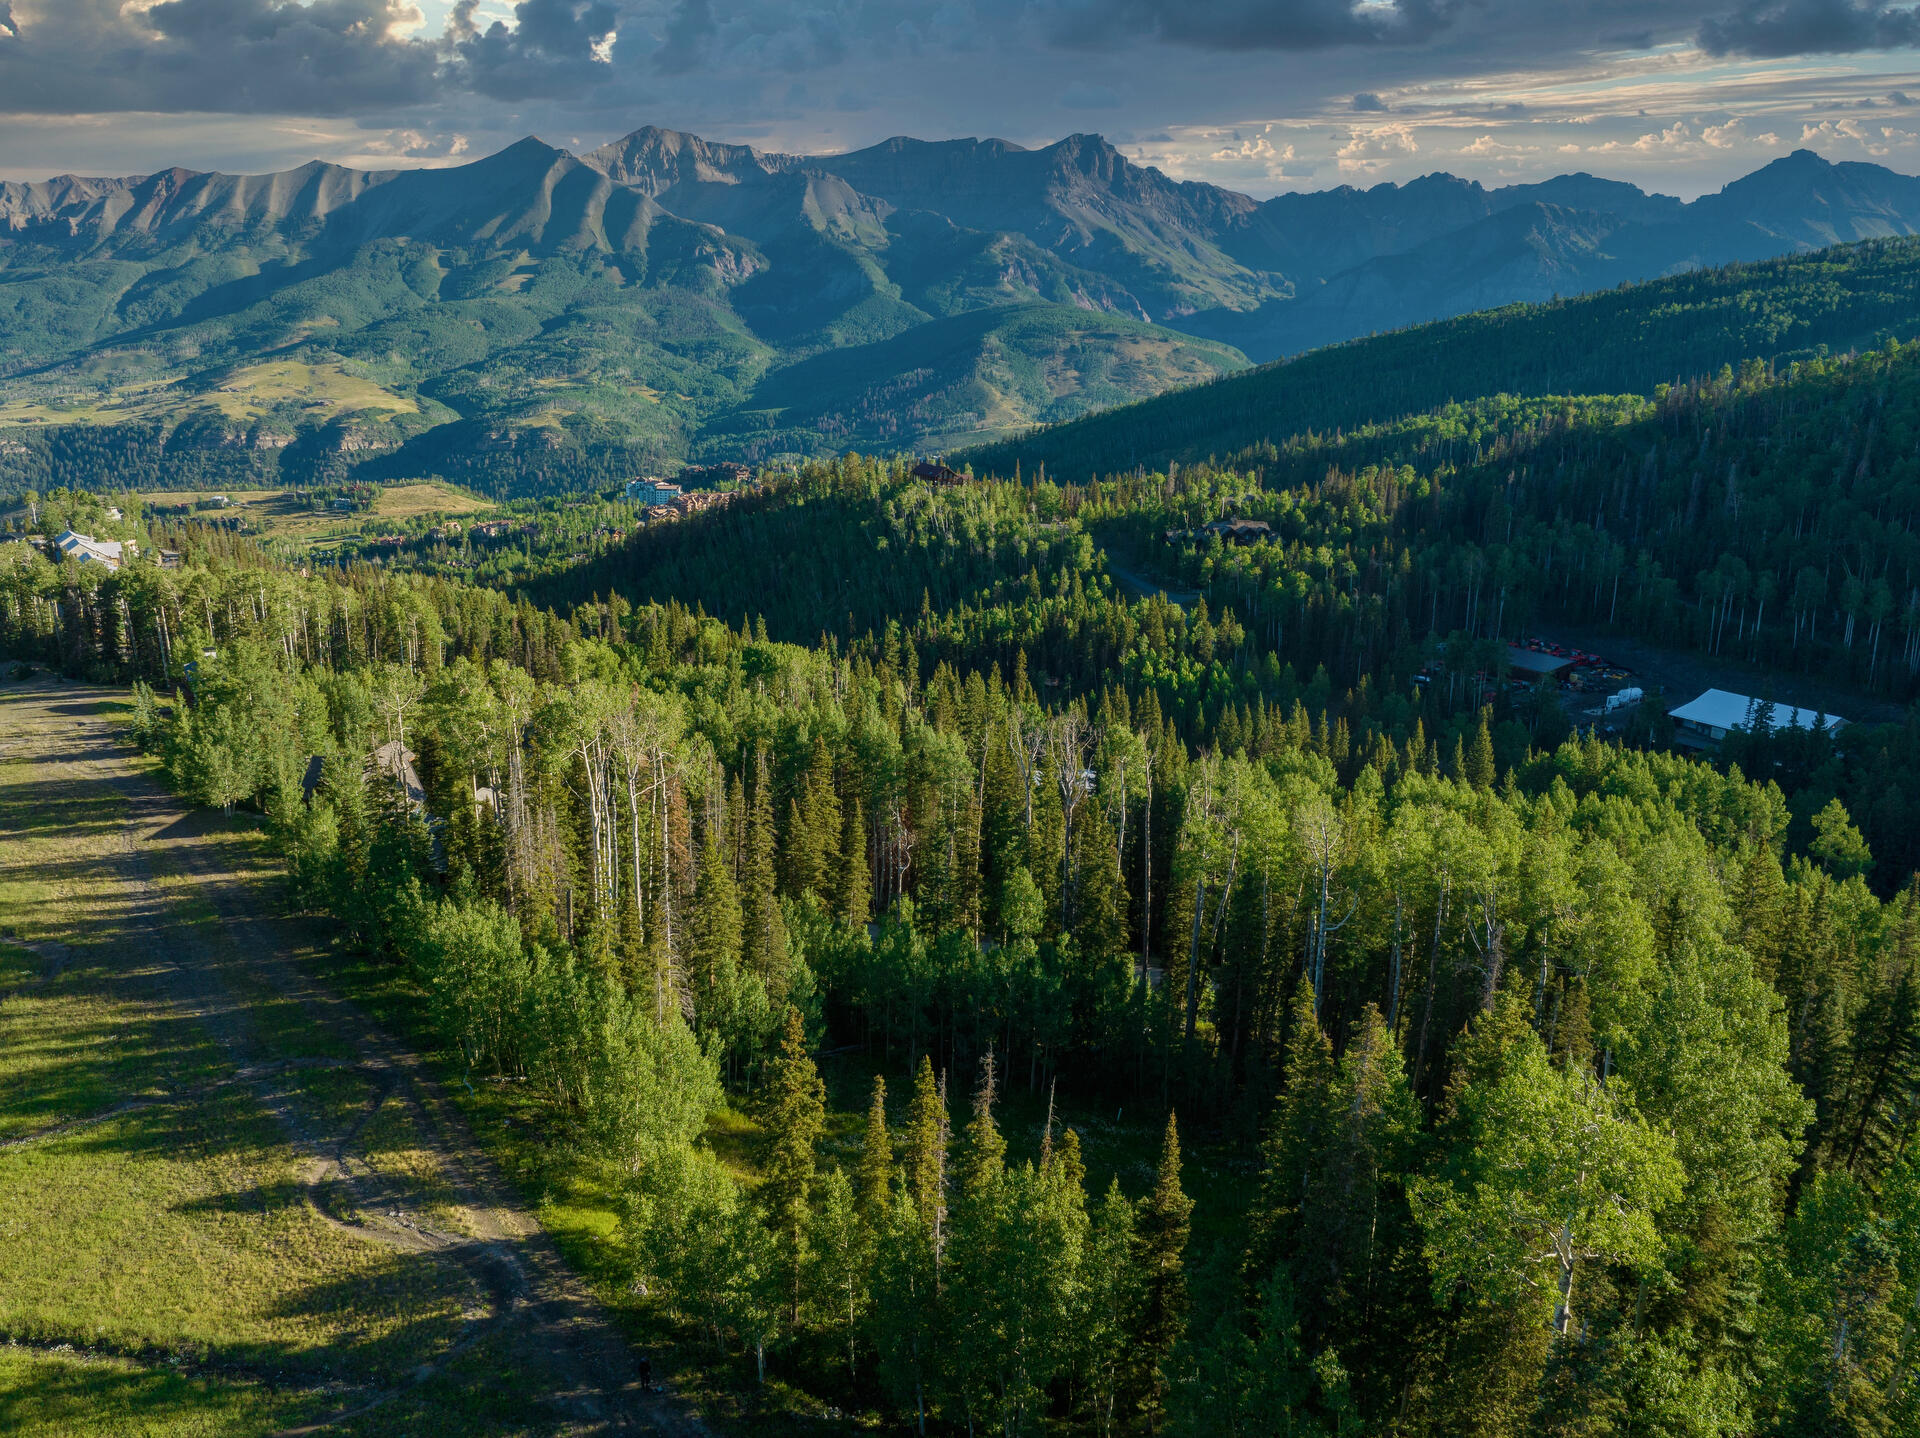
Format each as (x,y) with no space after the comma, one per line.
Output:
(1258,150)
(1877,140)
(1369,151)
(1488,148)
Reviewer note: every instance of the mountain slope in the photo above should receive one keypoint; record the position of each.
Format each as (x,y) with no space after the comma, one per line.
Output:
(1620,341)
(536,314)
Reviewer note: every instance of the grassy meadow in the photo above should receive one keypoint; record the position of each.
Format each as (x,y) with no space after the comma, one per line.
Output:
(164,1266)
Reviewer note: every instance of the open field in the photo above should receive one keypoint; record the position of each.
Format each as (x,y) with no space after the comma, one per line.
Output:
(231,1203)
(281,514)
(281,388)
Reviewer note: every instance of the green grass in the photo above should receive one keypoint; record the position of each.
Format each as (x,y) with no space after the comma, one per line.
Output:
(171,1236)
(186,1229)
(73,1395)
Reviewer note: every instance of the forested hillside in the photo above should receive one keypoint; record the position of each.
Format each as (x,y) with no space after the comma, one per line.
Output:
(1625,341)
(1763,518)
(1486,1079)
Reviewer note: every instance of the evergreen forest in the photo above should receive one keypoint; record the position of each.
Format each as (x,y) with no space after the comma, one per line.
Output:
(1008,958)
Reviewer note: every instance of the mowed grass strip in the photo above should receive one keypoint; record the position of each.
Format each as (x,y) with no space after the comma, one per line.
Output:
(72,1395)
(177,1223)
(188,1230)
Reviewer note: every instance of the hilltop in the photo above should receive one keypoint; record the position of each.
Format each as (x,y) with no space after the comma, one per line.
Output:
(537,319)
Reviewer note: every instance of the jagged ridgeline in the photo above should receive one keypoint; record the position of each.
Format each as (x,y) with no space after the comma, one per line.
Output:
(537,320)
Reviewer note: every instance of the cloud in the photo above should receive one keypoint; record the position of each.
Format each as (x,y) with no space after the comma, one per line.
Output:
(1366,102)
(417,145)
(689,31)
(1877,140)
(1259,150)
(1082,96)
(554,47)
(1487,148)
(1367,152)
(1260,24)
(241,56)
(291,57)
(1772,28)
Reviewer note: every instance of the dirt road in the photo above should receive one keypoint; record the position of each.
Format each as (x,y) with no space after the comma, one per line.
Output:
(213,947)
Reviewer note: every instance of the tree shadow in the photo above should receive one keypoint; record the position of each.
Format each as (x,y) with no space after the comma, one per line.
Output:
(69,1394)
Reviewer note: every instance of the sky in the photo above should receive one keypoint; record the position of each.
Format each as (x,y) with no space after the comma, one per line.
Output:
(1678,96)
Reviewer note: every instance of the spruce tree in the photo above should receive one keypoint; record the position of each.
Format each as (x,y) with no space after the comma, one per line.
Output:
(764,936)
(873,1178)
(713,939)
(822,812)
(796,1117)
(799,850)
(840,1262)
(856,881)
(1480,765)
(926,1151)
(1757,904)
(1159,1247)
(1100,899)
(980,1264)
(1110,1293)
(1297,1139)
(983,1151)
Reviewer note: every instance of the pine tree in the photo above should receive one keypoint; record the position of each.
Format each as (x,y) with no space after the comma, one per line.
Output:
(763,945)
(1159,1246)
(1100,899)
(796,1117)
(840,1251)
(873,1178)
(982,1148)
(713,939)
(1297,1139)
(1480,766)
(979,1264)
(1109,1303)
(856,882)
(926,1152)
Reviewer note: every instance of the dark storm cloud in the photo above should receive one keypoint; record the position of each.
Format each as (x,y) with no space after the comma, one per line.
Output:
(1771,28)
(68,56)
(689,30)
(550,50)
(322,57)
(612,57)
(1259,24)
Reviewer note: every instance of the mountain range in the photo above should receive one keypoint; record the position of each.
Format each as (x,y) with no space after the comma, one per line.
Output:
(509,320)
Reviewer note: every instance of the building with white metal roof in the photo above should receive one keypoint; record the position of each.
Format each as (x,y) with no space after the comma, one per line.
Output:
(1718,712)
